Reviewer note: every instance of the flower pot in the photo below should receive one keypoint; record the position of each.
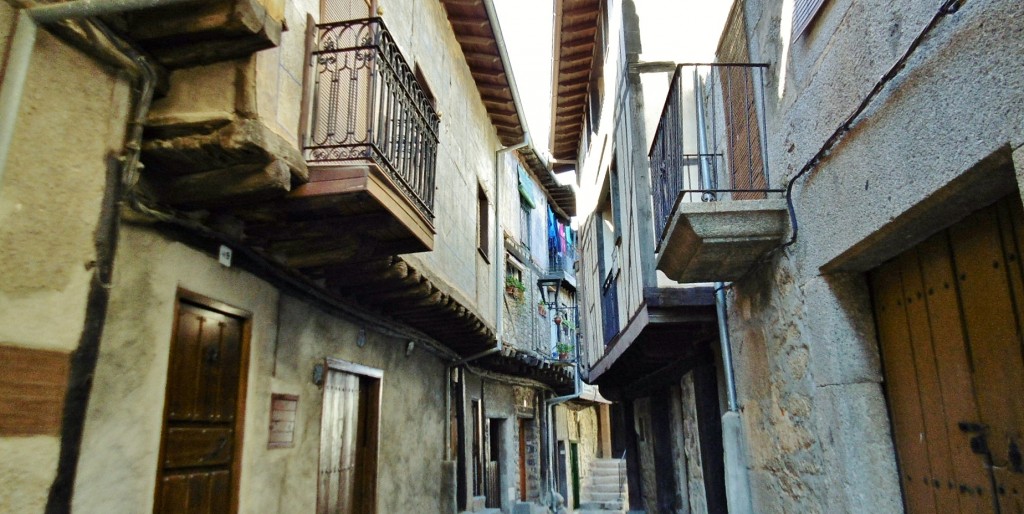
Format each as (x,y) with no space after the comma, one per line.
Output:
(563,356)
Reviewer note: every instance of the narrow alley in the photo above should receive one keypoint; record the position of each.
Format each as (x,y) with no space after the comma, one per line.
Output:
(330,256)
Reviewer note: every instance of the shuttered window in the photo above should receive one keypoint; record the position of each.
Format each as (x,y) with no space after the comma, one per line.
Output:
(804,12)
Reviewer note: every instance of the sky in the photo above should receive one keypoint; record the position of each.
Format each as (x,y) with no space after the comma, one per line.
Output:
(672,30)
(526,27)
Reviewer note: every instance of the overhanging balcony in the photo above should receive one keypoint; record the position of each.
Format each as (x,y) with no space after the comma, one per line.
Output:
(372,138)
(715,213)
(206,31)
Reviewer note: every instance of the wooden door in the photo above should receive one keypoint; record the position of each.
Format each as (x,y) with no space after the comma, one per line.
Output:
(949,315)
(198,471)
(349,440)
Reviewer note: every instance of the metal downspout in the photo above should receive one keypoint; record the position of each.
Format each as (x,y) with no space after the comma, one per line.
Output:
(23,42)
(708,184)
(549,413)
(737,480)
(121,169)
(13,86)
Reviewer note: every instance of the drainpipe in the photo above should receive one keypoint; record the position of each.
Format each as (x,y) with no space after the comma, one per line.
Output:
(121,167)
(14,83)
(737,479)
(549,413)
(11,91)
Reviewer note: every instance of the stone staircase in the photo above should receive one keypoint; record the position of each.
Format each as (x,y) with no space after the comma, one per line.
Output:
(604,491)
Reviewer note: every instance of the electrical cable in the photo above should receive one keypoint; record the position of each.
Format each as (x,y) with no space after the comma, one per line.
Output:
(947,8)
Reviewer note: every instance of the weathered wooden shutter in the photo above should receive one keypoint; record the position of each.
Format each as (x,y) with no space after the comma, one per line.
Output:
(803,13)
(743,131)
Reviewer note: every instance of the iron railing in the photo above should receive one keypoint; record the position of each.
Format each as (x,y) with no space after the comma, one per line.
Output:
(562,262)
(368,106)
(710,143)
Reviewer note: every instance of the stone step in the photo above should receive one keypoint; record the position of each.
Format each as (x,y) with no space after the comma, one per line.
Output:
(603,487)
(602,497)
(603,506)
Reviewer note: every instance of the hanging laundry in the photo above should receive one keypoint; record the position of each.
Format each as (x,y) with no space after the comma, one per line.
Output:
(561,238)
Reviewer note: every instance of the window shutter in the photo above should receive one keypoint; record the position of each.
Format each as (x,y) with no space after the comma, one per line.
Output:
(307,80)
(803,14)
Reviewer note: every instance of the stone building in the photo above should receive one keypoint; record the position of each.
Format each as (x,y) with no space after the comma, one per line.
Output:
(839,191)
(255,256)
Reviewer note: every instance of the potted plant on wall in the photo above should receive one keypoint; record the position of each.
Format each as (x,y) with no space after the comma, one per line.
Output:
(568,325)
(514,287)
(563,350)
(542,309)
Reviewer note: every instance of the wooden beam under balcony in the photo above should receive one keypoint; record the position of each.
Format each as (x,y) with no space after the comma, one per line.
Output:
(205,32)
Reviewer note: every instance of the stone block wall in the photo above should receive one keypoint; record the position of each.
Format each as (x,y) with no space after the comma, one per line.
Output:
(807,363)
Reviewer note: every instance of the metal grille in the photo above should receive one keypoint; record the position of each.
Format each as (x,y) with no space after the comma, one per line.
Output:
(369,107)
(710,132)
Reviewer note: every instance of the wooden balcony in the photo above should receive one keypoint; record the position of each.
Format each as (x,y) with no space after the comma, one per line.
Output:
(361,188)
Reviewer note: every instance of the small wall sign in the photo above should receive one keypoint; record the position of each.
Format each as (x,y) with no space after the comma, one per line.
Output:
(282,420)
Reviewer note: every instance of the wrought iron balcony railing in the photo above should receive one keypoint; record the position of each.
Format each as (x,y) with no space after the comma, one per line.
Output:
(368,106)
(562,262)
(711,133)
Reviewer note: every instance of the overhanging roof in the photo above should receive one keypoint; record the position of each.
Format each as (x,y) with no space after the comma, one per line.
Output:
(575,35)
(482,45)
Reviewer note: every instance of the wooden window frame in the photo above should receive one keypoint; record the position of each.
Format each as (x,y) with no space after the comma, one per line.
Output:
(483,223)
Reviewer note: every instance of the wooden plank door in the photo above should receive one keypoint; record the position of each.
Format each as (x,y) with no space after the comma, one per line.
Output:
(198,471)
(349,440)
(949,315)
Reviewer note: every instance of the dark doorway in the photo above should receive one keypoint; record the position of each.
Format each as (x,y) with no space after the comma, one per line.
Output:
(493,469)
(574,467)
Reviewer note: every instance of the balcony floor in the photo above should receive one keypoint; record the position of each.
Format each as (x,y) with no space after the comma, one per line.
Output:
(719,241)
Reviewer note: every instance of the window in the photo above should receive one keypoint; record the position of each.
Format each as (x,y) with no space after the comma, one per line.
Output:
(524,224)
(526,206)
(483,228)
(804,12)
(607,225)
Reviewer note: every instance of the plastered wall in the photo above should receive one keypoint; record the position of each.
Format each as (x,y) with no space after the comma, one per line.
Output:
(50,196)
(288,338)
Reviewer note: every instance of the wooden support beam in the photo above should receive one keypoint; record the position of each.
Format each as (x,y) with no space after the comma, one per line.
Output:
(245,182)
(320,227)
